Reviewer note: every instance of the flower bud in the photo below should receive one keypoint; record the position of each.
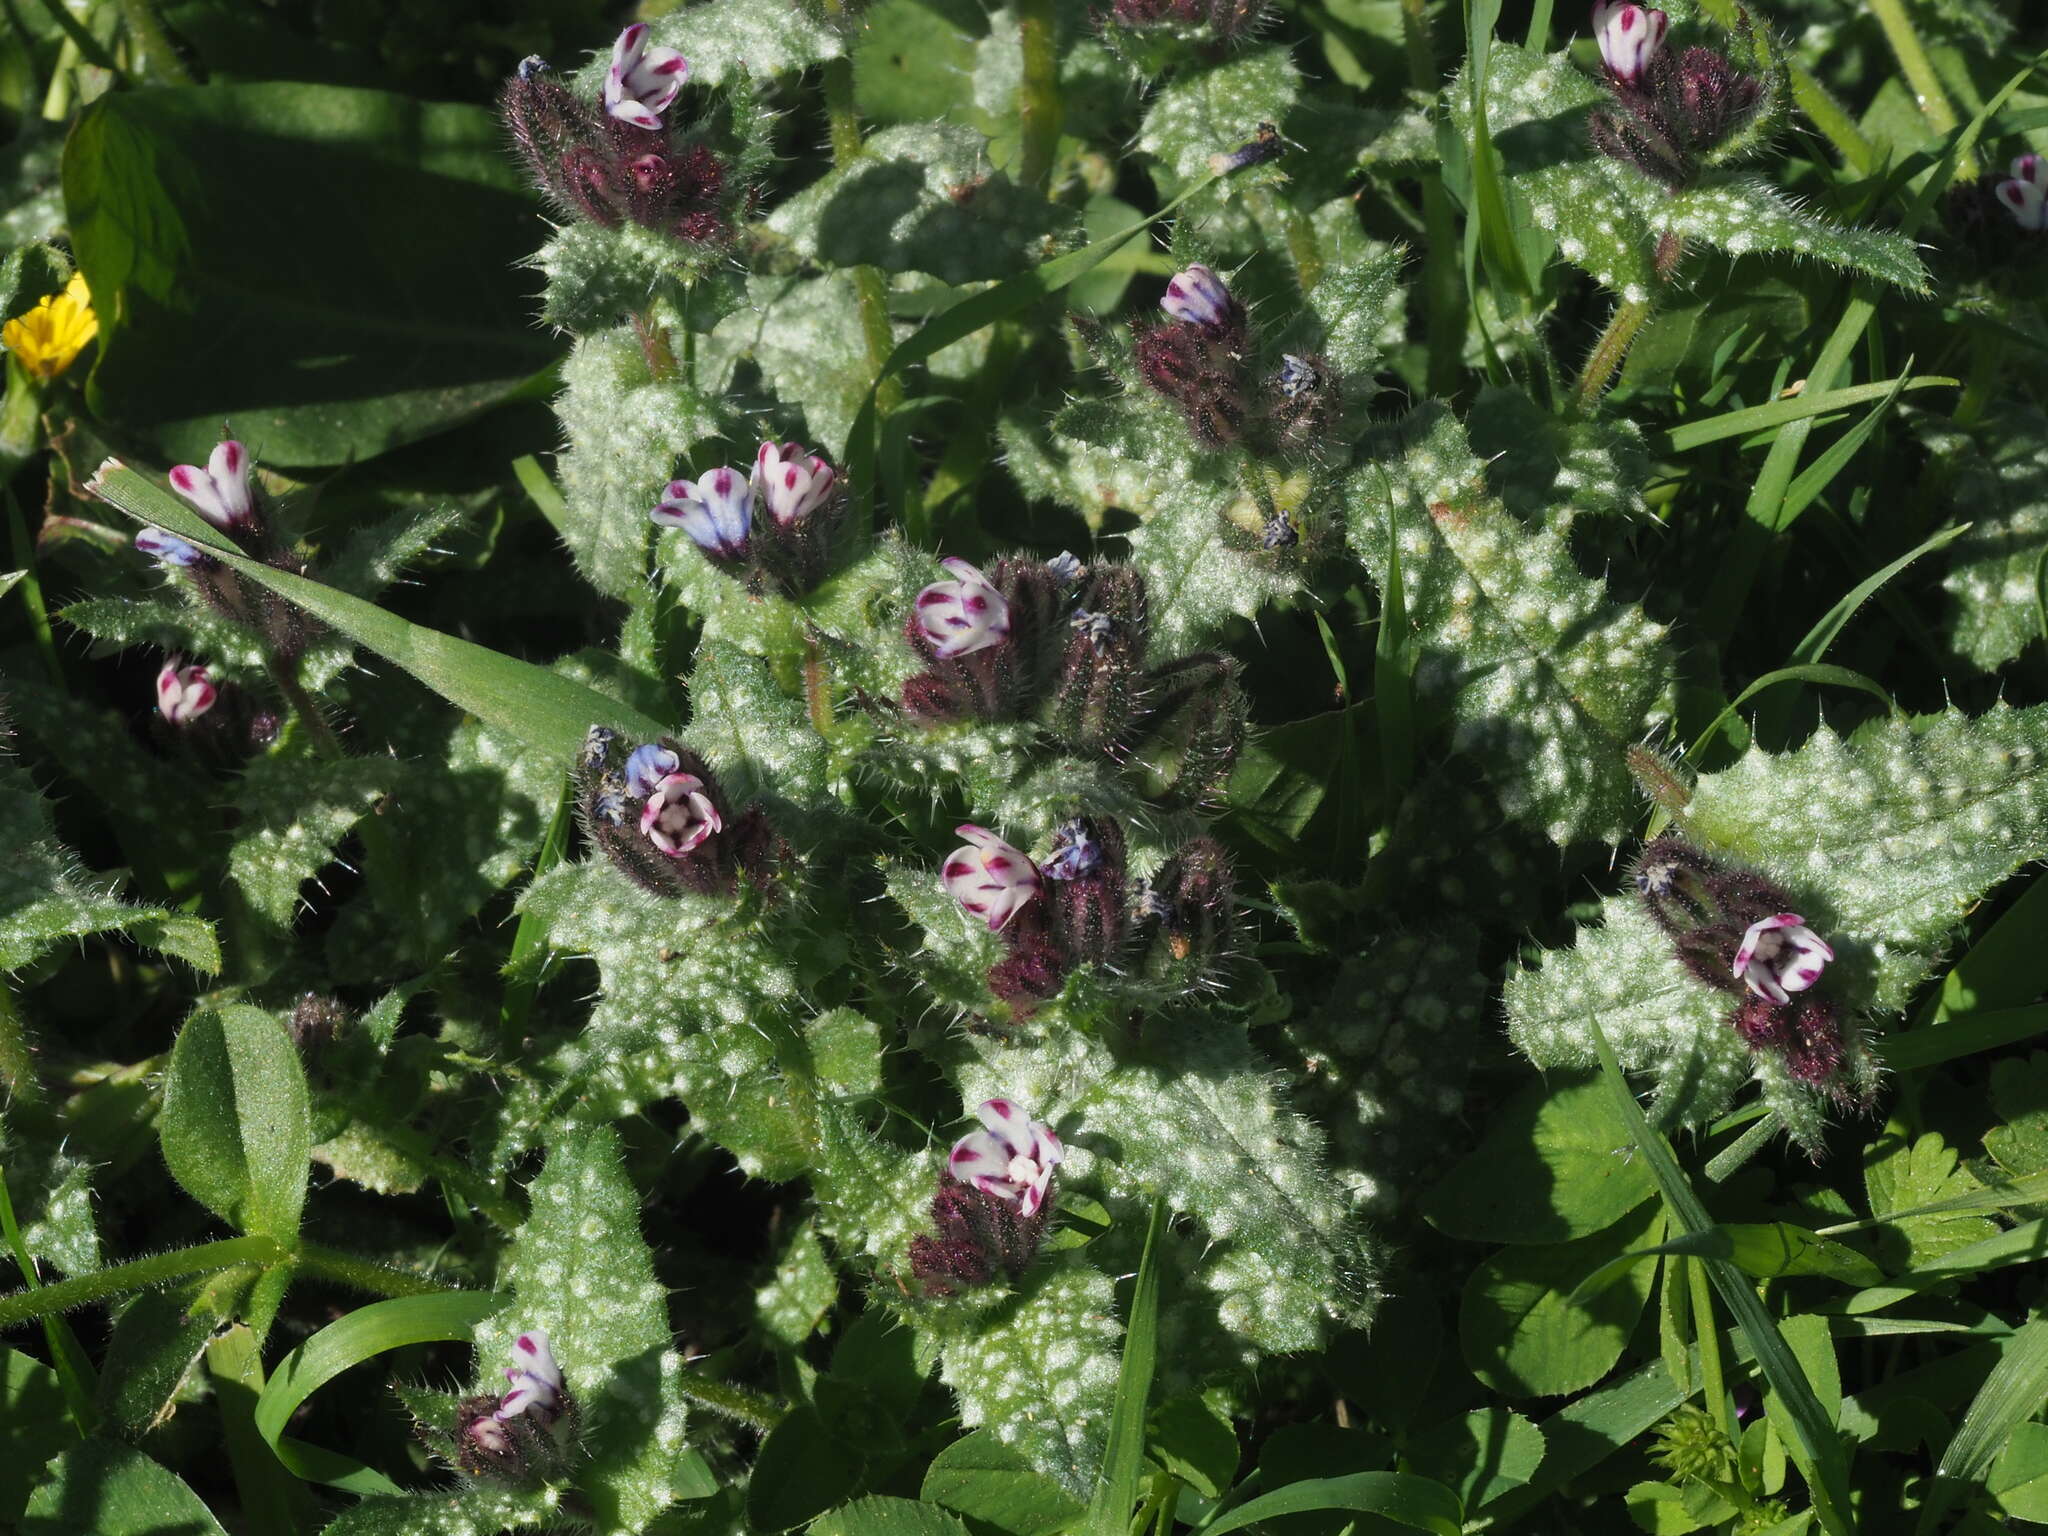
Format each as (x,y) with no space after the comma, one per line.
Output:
(220,492)
(1630,37)
(1188,739)
(2025,194)
(184,694)
(1097,692)
(1087,908)
(716,511)
(805,504)
(169,549)
(642,81)
(1196,296)
(1187,913)
(1200,368)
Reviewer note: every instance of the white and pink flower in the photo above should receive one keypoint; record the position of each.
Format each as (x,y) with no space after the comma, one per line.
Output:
(2026,195)
(1780,955)
(1197,295)
(678,815)
(536,1379)
(183,694)
(990,879)
(964,615)
(642,81)
(716,511)
(1012,1159)
(219,492)
(1630,38)
(791,483)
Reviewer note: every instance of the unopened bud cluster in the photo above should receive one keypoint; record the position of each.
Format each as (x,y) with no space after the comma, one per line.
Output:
(1065,644)
(1204,358)
(659,815)
(1222,21)
(1734,930)
(618,158)
(789,549)
(1669,108)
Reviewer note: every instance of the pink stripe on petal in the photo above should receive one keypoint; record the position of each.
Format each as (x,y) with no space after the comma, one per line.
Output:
(1009,1124)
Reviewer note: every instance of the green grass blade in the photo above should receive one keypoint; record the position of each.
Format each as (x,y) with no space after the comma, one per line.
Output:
(1836,619)
(1820,474)
(1932,1044)
(1810,1434)
(548,711)
(1840,677)
(1402,1497)
(1490,204)
(1123,1461)
(2011,1395)
(367,1331)
(1809,403)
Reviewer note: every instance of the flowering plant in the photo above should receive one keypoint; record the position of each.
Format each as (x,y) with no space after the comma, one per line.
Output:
(892,770)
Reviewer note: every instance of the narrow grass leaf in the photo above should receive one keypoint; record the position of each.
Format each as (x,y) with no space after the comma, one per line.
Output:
(1416,1502)
(1123,1461)
(1818,475)
(542,708)
(1933,1044)
(368,1331)
(1810,1430)
(1801,407)
(2011,1395)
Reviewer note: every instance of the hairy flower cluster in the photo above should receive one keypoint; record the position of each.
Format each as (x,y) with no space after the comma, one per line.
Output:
(520,1434)
(1670,108)
(1732,929)
(1065,644)
(224,492)
(790,549)
(1223,21)
(661,818)
(619,159)
(1204,359)
(992,1205)
(1079,907)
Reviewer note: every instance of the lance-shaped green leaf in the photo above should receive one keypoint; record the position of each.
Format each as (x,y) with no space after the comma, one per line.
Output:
(1608,217)
(46,896)
(104,1488)
(1546,679)
(580,1271)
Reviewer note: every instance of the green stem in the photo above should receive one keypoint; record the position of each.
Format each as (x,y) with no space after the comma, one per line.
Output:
(17,1060)
(31,588)
(1713,1382)
(148,30)
(139,1274)
(734,1402)
(1038,94)
(1443,284)
(1829,116)
(318,1261)
(1934,103)
(1627,319)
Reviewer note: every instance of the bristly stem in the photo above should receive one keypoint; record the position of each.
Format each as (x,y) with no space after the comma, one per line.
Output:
(1627,319)
(1038,94)
(734,1402)
(137,1275)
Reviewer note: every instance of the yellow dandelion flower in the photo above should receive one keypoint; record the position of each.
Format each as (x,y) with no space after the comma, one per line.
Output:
(49,337)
